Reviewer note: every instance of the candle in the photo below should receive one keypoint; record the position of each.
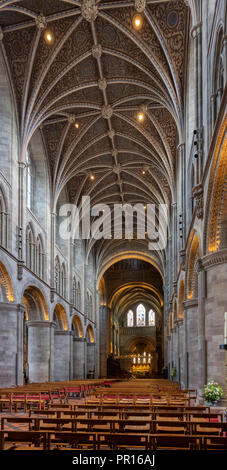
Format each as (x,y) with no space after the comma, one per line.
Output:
(225,329)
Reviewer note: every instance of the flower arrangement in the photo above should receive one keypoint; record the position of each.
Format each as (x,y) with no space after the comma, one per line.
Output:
(212,392)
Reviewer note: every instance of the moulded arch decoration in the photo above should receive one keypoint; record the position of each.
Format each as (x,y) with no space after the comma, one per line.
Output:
(216,207)
(180,300)
(35,303)
(6,284)
(60,317)
(192,275)
(77,326)
(90,334)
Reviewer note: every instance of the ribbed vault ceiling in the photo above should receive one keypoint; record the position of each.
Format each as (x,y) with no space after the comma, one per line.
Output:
(99,72)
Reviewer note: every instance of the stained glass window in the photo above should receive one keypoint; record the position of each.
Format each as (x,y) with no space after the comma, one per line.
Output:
(140,315)
(151,318)
(130,318)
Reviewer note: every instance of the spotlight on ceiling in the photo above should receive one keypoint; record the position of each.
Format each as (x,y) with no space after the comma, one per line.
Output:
(49,38)
(140,116)
(77,125)
(137,22)
(92,177)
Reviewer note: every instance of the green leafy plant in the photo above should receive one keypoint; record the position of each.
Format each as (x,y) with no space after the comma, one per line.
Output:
(174,372)
(212,392)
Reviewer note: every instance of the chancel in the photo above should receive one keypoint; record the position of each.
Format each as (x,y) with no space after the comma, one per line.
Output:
(113,217)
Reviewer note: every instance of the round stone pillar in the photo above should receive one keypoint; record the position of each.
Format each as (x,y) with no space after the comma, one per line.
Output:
(40,351)
(79,358)
(90,360)
(62,355)
(11,344)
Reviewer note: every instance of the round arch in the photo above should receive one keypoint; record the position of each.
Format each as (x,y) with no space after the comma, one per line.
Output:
(77,326)
(180,300)
(133,255)
(60,318)
(35,304)
(90,334)
(6,284)
(216,207)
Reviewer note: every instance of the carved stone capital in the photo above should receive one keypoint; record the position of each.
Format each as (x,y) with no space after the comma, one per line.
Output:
(198,195)
(212,259)
(183,259)
(190,303)
(107,111)
(140,5)
(41,22)
(89,10)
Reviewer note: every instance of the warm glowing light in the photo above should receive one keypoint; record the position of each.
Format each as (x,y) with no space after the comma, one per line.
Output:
(49,37)
(77,125)
(140,117)
(137,22)
(143,172)
(92,177)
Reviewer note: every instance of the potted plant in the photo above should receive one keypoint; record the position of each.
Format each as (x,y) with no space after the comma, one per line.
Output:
(173,372)
(212,393)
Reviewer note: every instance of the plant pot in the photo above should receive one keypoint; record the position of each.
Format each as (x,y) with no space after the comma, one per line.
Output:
(211,403)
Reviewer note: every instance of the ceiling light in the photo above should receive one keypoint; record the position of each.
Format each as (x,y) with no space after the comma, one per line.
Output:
(49,37)
(76,125)
(137,22)
(92,177)
(143,172)
(140,116)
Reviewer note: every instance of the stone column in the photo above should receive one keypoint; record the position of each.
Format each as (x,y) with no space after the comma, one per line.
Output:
(103,340)
(11,344)
(52,256)
(181,152)
(78,358)
(198,78)
(40,351)
(224,55)
(213,112)
(202,366)
(62,355)
(213,304)
(20,238)
(90,358)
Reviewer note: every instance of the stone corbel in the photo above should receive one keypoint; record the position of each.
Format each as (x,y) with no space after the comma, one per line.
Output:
(183,259)
(198,196)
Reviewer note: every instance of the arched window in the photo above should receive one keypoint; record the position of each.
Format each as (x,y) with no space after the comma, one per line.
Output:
(57,275)
(130,318)
(78,304)
(151,318)
(63,280)
(74,292)
(39,258)
(29,180)
(30,251)
(3,221)
(140,315)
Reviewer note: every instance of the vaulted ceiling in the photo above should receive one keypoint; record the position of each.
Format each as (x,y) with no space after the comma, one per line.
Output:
(85,87)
